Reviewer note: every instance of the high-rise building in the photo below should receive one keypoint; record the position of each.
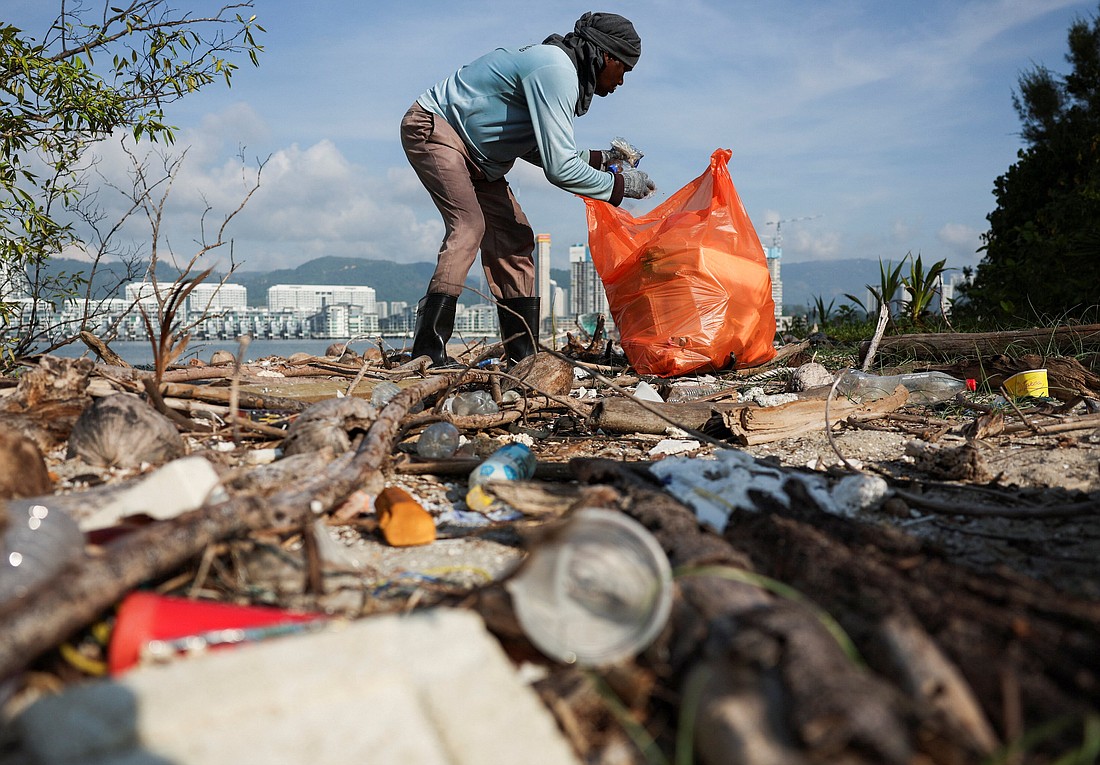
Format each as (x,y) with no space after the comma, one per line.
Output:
(542,276)
(218,297)
(774,255)
(145,294)
(586,293)
(311,298)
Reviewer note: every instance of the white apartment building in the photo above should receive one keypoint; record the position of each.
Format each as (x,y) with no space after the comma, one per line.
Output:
(145,294)
(217,298)
(476,320)
(311,298)
(343,320)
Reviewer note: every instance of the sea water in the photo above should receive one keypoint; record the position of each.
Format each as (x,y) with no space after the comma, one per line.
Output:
(140,352)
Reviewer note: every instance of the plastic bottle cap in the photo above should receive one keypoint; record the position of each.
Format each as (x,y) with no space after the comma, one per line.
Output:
(478,499)
(597,592)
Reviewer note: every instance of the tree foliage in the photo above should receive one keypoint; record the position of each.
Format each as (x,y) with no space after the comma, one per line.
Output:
(100,69)
(1042,249)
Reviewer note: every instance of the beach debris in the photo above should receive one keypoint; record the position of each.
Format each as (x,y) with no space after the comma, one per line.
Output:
(37,543)
(329,424)
(49,397)
(23,471)
(438,441)
(734,480)
(643,391)
(403,520)
(594,592)
(122,430)
(512,462)
(809,375)
(758,659)
(181,485)
(542,373)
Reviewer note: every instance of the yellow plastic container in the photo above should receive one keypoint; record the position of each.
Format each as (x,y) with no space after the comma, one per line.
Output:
(403,520)
(1033,382)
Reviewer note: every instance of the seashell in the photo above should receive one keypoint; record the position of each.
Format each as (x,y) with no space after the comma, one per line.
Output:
(23,470)
(122,430)
(328,424)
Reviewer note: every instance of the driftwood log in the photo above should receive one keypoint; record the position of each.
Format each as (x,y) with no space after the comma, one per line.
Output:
(1027,652)
(745,423)
(951,345)
(223,395)
(48,400)
(762,425)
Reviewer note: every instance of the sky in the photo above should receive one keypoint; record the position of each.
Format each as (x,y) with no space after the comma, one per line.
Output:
(859,129)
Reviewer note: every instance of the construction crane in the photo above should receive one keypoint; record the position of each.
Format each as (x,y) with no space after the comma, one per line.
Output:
(777,240)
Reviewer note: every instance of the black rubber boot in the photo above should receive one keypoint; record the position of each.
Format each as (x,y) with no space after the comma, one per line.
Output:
(435,321)
(519,327)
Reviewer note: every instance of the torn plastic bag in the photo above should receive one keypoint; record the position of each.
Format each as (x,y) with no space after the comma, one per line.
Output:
(688,284)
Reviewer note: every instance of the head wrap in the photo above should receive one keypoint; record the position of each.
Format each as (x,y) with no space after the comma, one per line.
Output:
(593,34)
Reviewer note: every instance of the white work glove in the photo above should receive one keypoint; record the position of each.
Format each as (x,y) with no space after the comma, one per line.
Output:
(636,184)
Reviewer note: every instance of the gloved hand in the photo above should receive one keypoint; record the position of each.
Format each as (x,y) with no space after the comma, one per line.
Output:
(624,154)
(636,184)
(620,156)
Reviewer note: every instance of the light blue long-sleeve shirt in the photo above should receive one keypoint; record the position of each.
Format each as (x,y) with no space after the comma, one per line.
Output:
(511,104)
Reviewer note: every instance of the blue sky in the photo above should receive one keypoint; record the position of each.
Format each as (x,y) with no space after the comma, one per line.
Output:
(873,129)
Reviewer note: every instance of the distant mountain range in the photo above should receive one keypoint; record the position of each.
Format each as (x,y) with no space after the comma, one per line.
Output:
(827,279)
(802,282)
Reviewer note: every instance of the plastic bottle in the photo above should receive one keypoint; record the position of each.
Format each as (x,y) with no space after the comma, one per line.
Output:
(474,402)
(438,441)
(511,462)
(680,393)
(630,155)
(383,392)
(923,387)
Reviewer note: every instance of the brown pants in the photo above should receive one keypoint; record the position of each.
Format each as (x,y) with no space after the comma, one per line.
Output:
(477,213)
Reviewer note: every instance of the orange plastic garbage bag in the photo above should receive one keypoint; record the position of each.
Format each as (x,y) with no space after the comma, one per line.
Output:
(688,284)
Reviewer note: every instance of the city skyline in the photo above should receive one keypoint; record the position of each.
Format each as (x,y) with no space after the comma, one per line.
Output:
(221,310)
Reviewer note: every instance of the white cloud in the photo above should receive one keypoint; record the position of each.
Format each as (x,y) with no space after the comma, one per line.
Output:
(311,202)
(962,241)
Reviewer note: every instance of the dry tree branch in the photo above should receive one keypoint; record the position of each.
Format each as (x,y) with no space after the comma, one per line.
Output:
(880,330)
